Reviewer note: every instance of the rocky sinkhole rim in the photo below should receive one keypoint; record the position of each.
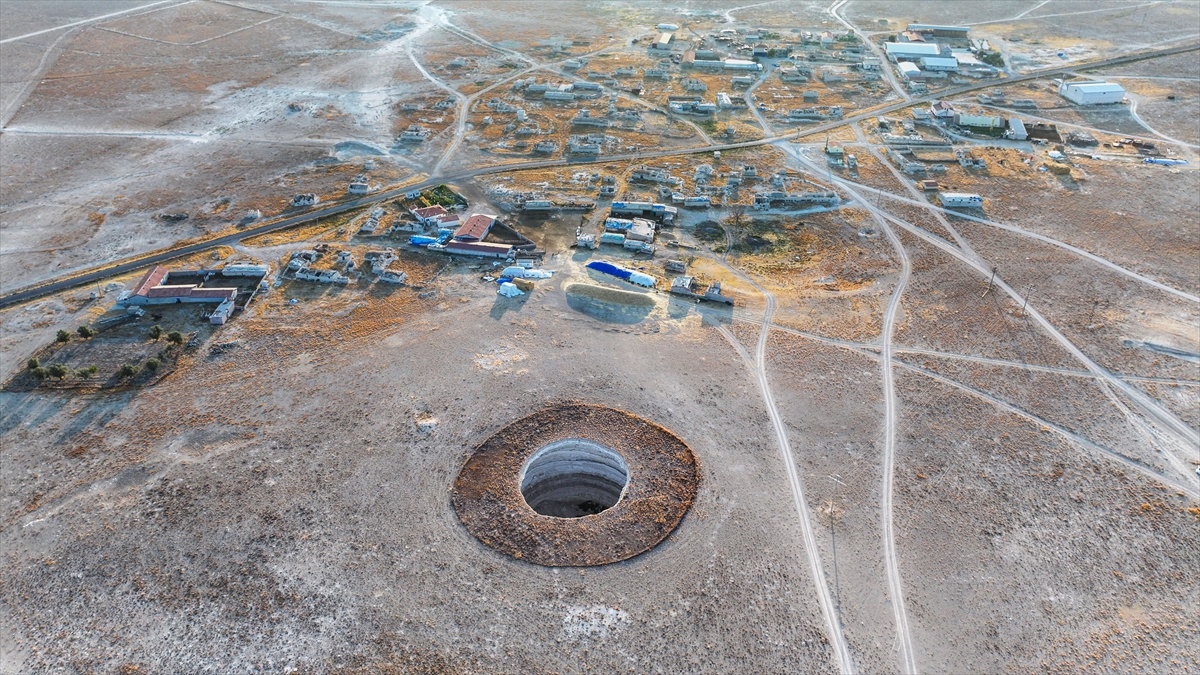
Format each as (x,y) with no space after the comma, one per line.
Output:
(662,476)
(573,478)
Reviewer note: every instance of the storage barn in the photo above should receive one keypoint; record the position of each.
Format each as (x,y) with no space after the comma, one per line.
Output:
(937,63)
(912,51)
(1091,93)
(909,70)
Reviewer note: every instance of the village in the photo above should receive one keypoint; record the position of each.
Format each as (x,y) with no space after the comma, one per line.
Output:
(599,337)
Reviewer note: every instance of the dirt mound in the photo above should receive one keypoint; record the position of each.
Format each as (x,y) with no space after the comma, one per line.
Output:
(662,481)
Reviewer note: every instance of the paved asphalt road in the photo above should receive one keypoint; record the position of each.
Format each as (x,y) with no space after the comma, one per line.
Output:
(132,264)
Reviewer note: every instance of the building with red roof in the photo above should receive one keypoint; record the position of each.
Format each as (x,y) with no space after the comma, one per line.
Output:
(153,289)
(476,228)
(428,215)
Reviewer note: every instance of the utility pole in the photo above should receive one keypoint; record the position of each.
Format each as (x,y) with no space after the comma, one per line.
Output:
(989,288)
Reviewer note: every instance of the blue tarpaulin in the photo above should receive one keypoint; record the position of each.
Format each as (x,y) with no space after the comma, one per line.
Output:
(606,267)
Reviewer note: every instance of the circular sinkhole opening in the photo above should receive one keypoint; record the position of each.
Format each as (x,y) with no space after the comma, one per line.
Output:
(573,478)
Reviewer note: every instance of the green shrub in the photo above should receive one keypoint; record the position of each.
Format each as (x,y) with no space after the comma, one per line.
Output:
(175,337)
(58,370)
(994,59)
(85,373)
(129,370)
(63,336)
(153,365)
(33,363)
(156,332)
(86,331)
(39,372)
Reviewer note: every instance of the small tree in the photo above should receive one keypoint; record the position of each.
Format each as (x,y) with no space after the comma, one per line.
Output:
(152,365)
(175,337)
(156,332)
(33,363)
(85,373)
(86,331)
(129,370)
(63,336)
(736,213)
(58,370)
(39,372)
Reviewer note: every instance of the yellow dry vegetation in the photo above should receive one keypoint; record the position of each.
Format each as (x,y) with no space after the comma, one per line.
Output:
(306,231)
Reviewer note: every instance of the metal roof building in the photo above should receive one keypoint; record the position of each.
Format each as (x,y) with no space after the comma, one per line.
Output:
(979,121)
(940,31)
(1016,129)
(911,50)
(909,70)
(935,63)
(483,250)
(1091,93)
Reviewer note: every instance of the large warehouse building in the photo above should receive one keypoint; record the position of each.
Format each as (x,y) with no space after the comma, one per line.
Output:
(910,51)
(1091,93)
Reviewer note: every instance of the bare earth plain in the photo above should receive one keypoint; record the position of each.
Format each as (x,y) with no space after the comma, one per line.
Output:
(925,440)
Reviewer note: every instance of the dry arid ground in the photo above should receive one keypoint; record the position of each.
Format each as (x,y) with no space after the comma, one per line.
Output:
(926,440)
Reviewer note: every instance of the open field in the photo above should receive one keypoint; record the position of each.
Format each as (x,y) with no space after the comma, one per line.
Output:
(917,440)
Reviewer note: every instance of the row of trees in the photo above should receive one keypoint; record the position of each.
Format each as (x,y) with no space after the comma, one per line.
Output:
(60,371)
(85,332)
(156,333)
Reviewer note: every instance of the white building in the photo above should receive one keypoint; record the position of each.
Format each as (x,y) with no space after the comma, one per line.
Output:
(1091,93)
(942,110)
(910,51)
(909,70)
(1016,129)
(741,64)
(937,63)
(966,199)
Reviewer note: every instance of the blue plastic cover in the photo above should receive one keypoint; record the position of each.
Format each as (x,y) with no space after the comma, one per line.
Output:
(419,240)
(504,280)
(609,268)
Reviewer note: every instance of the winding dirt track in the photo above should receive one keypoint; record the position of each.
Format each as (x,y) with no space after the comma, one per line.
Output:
(891,564)
(757,364)
(1178,433)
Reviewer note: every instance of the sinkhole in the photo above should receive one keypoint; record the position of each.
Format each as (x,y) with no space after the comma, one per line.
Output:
(573,477)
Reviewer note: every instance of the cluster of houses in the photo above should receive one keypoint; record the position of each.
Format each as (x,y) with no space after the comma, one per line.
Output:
(384,263)
(232,287)
(631,225)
